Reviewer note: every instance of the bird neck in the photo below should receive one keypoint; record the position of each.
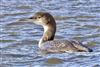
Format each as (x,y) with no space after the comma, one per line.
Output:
(49,33)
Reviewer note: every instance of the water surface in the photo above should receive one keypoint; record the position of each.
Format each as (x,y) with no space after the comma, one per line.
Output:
(76,19)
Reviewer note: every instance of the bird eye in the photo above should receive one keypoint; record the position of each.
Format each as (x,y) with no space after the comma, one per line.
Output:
(39,17)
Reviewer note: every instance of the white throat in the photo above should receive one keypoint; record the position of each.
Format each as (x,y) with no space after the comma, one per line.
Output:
(46,28)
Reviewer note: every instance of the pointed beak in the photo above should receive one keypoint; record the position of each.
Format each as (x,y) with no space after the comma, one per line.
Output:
(32,17)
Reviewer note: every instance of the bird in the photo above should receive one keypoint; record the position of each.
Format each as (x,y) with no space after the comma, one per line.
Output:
(48,43)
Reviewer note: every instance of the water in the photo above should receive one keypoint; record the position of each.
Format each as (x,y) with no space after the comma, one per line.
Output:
(76,19)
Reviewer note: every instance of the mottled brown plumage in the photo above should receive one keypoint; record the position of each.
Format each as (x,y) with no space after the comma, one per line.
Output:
(47,41)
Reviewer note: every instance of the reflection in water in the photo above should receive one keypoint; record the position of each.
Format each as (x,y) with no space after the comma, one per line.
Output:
(78,20)
(53,61)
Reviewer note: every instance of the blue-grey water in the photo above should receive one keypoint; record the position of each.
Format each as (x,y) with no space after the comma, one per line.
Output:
(76,19)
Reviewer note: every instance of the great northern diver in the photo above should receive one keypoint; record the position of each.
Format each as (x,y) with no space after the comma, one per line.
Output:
(47,42)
